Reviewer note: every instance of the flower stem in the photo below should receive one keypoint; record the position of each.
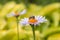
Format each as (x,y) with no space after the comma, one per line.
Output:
(17,28)
(41,30)
(33,31)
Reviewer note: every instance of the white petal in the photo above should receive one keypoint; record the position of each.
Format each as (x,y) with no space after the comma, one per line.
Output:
(38,17)
(24,21)
(41,19)
(10,14)
(23,12)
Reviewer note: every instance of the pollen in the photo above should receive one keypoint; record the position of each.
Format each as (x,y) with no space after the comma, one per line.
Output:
(32,20)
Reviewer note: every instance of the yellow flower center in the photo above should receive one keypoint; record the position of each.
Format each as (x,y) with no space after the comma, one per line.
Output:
(32,20)
(16,13)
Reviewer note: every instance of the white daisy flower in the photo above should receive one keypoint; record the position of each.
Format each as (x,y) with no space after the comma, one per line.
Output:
(33,20)
(16,13)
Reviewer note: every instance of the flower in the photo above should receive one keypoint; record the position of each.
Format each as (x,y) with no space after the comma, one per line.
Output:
(33,20)
(16,13)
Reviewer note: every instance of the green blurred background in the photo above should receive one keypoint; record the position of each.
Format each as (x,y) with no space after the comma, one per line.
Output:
(48,8)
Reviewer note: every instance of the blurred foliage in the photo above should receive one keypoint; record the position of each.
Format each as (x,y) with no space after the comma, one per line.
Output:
(48,8)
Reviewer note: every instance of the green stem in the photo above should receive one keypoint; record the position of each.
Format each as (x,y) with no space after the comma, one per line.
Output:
(17,28)
(41,30)
(33,31)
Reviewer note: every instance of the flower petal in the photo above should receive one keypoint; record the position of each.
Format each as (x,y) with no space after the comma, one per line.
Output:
(24,21)
(23,12)
(40,19)
(10,14)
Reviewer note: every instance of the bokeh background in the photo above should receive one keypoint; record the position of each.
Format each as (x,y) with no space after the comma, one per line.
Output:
(48,8)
